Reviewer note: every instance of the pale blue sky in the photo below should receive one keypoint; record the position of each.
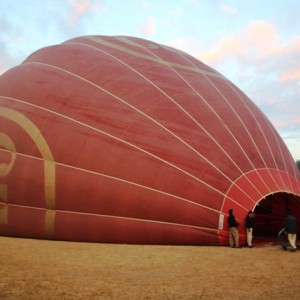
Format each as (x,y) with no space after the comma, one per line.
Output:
(254,43)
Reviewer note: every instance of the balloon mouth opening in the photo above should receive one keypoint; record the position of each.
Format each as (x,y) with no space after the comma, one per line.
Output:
(271,213)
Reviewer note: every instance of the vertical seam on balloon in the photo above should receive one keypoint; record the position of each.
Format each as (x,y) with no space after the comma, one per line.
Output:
(292,162)
(116,138)
(215,87)
(246,128)
(276,136)
(262,131)
(284,190)
(259,125)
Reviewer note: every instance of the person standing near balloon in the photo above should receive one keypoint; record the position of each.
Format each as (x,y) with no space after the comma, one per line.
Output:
(233,230)
(291,228)
(249,227)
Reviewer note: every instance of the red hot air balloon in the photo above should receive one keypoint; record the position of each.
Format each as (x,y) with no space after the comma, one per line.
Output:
(122,140)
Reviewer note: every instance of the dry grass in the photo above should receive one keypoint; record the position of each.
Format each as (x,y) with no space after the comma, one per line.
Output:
(37,269)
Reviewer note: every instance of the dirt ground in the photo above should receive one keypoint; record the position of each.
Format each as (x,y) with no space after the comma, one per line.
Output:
(40,269)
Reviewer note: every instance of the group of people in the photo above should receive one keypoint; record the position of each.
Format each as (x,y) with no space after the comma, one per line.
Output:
(290,227)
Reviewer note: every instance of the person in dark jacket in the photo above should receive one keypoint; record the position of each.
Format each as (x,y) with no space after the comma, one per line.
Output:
(249,227)
(233,230)
(291,228)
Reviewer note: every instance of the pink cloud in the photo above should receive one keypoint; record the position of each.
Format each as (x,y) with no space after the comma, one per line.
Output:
(82,7)
(263,39)
(293,67)
(287,123)
(149,27)
(226,47)
(296,120)
(257,41)
(291,75)
(296,43)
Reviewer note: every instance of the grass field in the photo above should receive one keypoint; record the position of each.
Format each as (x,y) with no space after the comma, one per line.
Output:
(40,269)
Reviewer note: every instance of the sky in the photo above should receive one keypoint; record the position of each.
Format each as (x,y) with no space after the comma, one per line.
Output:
(254,43)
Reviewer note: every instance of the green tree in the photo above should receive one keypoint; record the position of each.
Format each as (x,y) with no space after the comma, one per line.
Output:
(298,164)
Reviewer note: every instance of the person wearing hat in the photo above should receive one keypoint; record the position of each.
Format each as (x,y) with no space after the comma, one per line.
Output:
(249,227)
(233,230)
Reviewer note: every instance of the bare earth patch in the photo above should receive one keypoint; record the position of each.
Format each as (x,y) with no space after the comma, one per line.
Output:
(40,269)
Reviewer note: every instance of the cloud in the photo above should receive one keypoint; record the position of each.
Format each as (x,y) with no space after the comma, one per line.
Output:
(290,67)
(297,120)
(225,48)
(256,42)
(257,52)
(263,40)
(291,75)
(287,123)
(232,11)
(149,27)
(81,8)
